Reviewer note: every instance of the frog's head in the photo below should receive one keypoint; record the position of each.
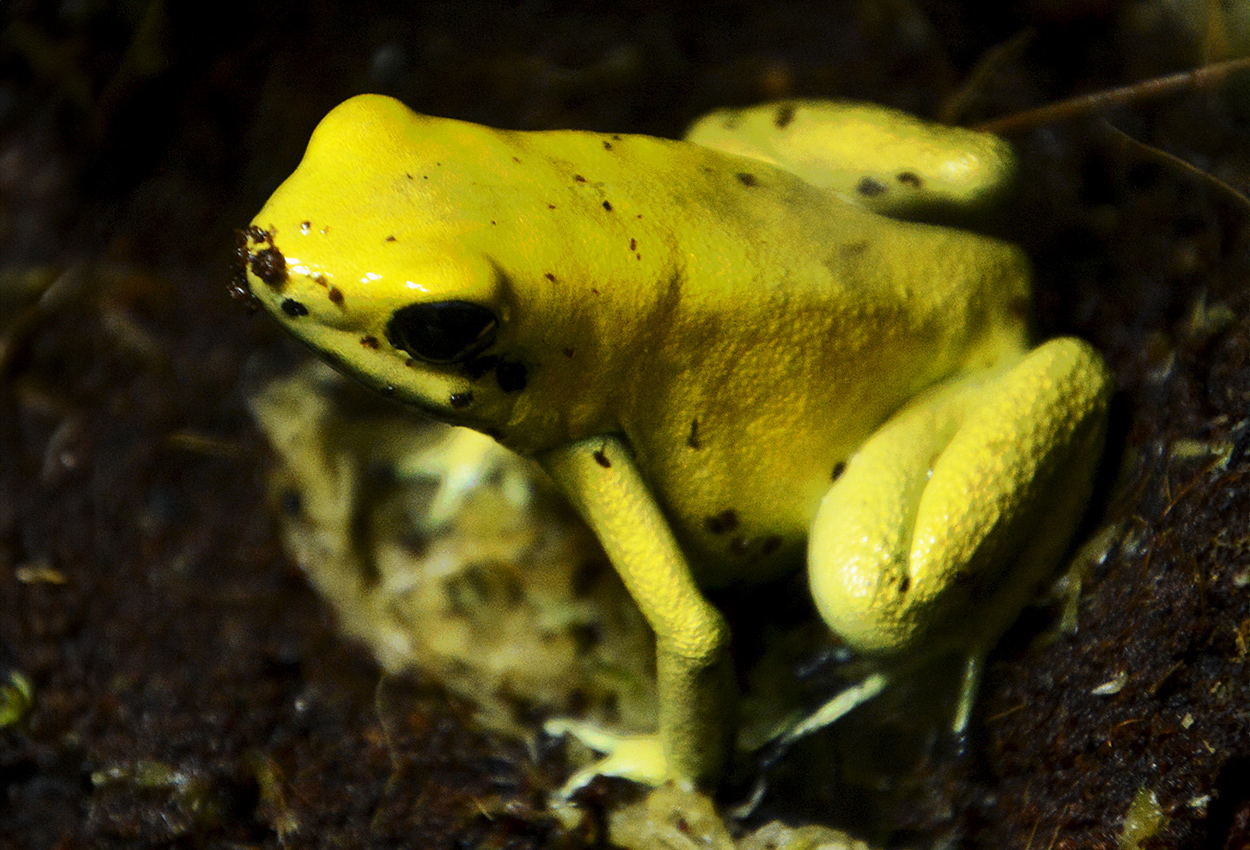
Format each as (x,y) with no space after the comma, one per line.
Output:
(359,256)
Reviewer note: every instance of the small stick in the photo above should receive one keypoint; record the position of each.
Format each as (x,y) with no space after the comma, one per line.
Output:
(1085,104)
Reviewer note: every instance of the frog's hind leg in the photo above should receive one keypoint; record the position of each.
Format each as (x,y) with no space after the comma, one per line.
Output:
(945,522)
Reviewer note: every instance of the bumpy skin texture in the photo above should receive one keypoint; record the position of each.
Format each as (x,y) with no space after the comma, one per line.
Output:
(696,344)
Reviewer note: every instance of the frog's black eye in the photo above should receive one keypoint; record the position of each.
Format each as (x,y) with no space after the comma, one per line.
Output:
(442,331)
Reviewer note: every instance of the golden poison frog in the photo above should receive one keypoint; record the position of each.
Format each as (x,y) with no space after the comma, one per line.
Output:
(728,352)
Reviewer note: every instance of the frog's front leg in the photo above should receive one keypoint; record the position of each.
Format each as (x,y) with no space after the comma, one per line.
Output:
(695,679)
(945,522)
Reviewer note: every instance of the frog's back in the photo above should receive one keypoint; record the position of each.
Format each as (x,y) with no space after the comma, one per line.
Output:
(785,357)
(780,327)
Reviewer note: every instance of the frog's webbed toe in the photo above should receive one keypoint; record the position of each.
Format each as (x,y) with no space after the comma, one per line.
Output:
(637,757)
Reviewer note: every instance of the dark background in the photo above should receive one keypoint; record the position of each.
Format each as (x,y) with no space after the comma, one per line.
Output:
(190,690)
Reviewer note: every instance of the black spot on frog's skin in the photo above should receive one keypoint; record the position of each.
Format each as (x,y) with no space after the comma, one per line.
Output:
(869,187)
(771,544)
(633,244)
(607,146)
(305,227)
(693,440)
(607,205)
(512,377)
(390,239)
(550,277)
(747,179)
(577,178)
(551,206)
(370,342)
(616,137)
(517,160)
(783,116)
(479,366)
(910,179)
(336,295)
(723,522)
(459,401)
(838,469)
(567,352)
(293,308)
(601,458)
(904,584)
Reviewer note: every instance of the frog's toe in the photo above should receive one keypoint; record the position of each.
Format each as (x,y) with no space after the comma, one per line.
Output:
(639,758)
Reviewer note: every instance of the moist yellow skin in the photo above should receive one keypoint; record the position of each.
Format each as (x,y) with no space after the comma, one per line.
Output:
(718,361)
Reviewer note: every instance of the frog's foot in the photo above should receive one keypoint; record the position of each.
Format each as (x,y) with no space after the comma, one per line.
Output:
(969,687)
(835,709)
(637,757)
(856,695)
(769,754)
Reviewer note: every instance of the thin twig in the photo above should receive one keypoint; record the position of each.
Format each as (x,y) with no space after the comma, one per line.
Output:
(1172,159)
(1088,103)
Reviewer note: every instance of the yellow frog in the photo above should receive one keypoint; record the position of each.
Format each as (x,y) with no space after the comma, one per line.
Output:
(723,360)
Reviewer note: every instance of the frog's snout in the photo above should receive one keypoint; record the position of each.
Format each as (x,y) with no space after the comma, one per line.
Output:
(258,258)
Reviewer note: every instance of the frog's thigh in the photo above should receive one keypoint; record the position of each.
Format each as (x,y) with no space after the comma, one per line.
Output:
(947,518)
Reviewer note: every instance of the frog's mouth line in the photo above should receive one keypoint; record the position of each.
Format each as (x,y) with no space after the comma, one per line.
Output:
(441,395)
